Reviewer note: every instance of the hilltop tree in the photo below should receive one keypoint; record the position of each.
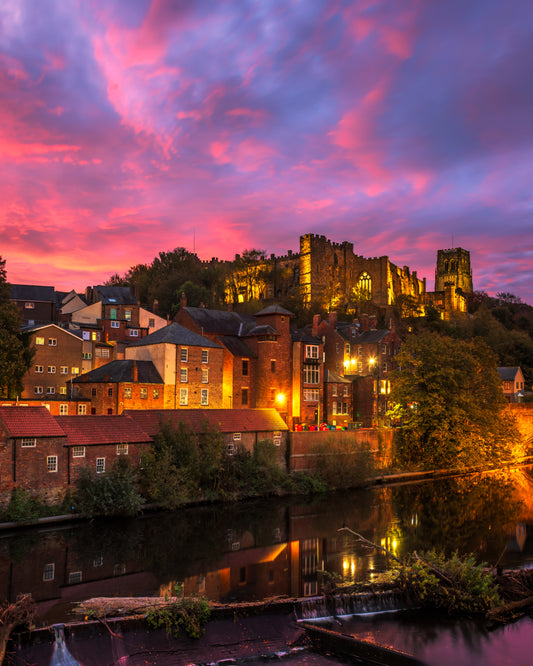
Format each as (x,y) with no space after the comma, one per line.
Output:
(447,395)
(15,352)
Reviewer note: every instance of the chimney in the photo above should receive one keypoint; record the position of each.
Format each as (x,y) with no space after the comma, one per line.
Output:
(316,323)
(332,319)
(183,300)
(134,372)
(372,322)
(364,324)
(155,306)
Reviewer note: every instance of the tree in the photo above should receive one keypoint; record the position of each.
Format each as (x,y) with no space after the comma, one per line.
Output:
(447,395)
(15,352)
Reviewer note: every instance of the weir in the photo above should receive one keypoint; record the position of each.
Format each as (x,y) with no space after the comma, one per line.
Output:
(347,604)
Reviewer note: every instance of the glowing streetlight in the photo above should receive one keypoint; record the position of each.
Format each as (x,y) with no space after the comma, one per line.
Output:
(280,399)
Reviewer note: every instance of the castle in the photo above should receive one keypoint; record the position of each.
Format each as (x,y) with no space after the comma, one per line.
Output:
(331,275)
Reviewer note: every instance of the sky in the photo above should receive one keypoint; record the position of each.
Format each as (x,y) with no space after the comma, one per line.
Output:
(132,127)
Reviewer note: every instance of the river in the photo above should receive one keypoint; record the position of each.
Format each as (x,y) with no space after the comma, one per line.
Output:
(262,549)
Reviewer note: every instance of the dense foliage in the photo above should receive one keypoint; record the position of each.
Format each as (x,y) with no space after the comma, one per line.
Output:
(15,352)
(448,401)
(189,614)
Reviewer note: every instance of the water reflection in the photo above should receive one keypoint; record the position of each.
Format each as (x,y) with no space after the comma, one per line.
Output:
(270,548)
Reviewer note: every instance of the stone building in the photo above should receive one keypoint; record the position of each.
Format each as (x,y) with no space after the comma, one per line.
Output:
(453,267)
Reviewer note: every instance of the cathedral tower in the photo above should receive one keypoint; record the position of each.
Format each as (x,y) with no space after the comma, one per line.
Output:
(453,267)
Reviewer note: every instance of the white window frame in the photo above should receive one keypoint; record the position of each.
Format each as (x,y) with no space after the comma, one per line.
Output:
(205,375)
(311,374)
(50,390)
(28,442)
(75,370)
(51,464)
(78,452)
(230,449)
(127,392)
(184,375)
(63,370)
(62,390)
(39,390)
(311,351)
(134,333)
(63,409)
(100,465)
(115,323)
(82,410)
(122,449)
(184,396)
(75,577)
(39,369)
(204,397)
(39,340)
(184,354)
(237,436)
(205,355)
(52,342)
(51,369)
(49,572)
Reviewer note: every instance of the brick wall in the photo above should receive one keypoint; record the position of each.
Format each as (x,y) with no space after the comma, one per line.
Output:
(108,452)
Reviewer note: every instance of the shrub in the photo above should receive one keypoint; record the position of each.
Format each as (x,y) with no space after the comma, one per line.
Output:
(22,507)
(188,614)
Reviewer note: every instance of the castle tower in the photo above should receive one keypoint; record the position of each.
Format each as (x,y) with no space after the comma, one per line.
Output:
(453,267)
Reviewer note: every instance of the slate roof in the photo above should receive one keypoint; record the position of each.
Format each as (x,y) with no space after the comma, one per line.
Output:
(32,292)
(29,422)
(367,337)
(225,420)
(274,309)
(121,371)
(334,378)
(508,374)
(107,429)
(236,346)
(221,322)
(301,335)
(264,329)
(176,335)
(115,295)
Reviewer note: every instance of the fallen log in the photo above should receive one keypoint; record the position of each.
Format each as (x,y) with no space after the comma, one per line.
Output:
(501,613)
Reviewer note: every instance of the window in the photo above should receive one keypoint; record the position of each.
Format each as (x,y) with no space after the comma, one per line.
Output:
(347,349)
(184,396)
(127,392)
(346,390)
(100,465)
(230,449)
(51,463)
(95,336)
(183,375)
(63,409)
(38,389)
(310,374)
(78,452)
(272,394)
(311,395)
(109,391)
(49,571)
(62,390)
(205,356)
(385,367)
(122,449)
(85,335)
(119,569)
(311,351)
(184,354)
(82,410)
(75,371)
(245,367)
(134,333)
(156,393)
(334,390)
(151,323)
(337,348)
(205,375)
(237,436)
(52,342)
(144,392)
(383,349)
(109,410)
(74,577)
(360,366)
(334,407)
(272,366)
(127,315)
(29,306)
(244,396)
(63,370)
(98,561)
(51,389)
(38,368)
(51,369)
(359,351)
(276,437)
(363,290)
(103,353)
(204,399)
(93,392)
(113,313)
(29,441)
(115,324)
(39,341)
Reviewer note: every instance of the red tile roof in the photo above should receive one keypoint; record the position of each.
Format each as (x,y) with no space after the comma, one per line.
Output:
(29,422)
(107,429)
(225,420)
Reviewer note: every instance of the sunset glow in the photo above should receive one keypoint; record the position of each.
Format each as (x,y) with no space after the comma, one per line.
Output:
(130,127)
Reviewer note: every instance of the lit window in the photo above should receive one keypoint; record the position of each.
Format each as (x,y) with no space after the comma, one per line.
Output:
(127,392)
(39,341)
(95,336)
(100,465)
(87,356)
(63,409)
(75,371)
(156,393)
(127,315)
(52,342)
(122,449)
(51,463)
(205,375)
(63,390)
(204,400)
(115,324)
(310,395)
(52,369)
(184,396)
(134,333)
(311,374)
(63,370)
(29,306)
(82,410)
(49,571)
(237,436)
(144,392)
(183,375)
(184,355)
(38,368)
(29,441)
(78,452)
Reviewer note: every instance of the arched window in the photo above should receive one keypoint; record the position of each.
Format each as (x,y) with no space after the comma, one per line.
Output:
(363,288)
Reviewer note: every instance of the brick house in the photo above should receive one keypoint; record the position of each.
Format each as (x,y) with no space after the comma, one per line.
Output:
(239,427)
(37,305)
(120,385)
(56,405)
(190,365)
(96,442)
(59,357)
(31,452)
(307,378)
(512,383)
(338,399)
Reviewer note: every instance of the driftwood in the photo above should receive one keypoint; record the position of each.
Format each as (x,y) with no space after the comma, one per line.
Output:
(13,615)
(506,613)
